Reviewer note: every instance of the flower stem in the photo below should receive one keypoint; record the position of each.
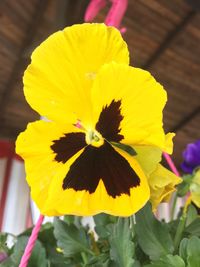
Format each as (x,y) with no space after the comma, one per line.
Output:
(132,225)
(84,257)
(179,232)
(174,206)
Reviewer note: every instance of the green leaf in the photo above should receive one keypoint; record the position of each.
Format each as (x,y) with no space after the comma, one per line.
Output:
(38,256)
(153,235)
(98,260)
(104,219)
(69,219)
(137,264)
(183,249)
(139,253)
(172,226)
(3,243)
(7,263)
(193,252)
(102,231)
(27,232)
(122,248)
(103,223)
(168,261)
(194,227)
(190,251)
(184,187)
(57,259)
(71,239)
(191,214)
(128,149)
(46,235)
(3,239)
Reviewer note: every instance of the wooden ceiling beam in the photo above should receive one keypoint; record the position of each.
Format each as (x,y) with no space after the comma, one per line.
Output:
(161,49)
(186,120)
(70,12)
(169,39)
(21,62)
(76,11)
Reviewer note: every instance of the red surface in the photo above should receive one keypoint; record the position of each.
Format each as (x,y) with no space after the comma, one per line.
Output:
(6,151)
(6,148)
(5,189)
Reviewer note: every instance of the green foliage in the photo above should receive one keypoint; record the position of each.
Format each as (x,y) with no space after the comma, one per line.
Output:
(191,215)
(122,247)
(37,259)
(184,187)
(140,241)
(3,239)
(153,236)
(168,261)
(71,239)
(194,227)
(190,251)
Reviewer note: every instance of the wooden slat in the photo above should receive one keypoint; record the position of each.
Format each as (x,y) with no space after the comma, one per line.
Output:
(168,39)
(40,9)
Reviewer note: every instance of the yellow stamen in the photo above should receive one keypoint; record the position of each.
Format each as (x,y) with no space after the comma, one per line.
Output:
(94,138)
(59,250)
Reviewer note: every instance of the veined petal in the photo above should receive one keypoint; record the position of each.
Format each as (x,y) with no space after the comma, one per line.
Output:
(57,83)
(43,147)
(195,189)
(169,142)
(88,181)
(83,198)
(162,184)
(142,100)
(148,158)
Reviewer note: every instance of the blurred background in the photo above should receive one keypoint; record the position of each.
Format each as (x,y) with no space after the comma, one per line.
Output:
(163,37)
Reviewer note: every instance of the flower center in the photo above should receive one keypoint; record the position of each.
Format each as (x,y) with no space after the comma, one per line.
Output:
(90,75)
(94,138)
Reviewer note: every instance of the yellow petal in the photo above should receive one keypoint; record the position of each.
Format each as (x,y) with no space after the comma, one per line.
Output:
(162,183)
(57,83)
(45,175)
(148,158)
(84,203)
(169,143)
(34,146)
(142,101)
(195,189)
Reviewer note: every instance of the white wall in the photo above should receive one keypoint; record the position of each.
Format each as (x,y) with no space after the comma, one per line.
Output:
(17,200)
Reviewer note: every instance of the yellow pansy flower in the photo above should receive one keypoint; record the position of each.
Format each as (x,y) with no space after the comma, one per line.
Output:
(102,116)
(64,67)
(161,181)
(195,188)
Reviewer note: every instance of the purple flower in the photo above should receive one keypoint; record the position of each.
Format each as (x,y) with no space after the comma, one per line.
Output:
(191,157)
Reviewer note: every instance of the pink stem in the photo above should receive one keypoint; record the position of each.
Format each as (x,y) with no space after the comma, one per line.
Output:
(171,164)
(93,9)
(31,243)
(174,169)
(116,13)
